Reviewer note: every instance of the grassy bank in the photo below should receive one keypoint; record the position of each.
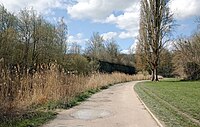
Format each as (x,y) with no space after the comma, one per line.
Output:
(174,102)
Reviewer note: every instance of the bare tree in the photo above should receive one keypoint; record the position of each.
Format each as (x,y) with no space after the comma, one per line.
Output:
(62,33)
(140,62)
(26,29)
(95,46)
(155,25)
(75,48)
(112,50)
(187,57)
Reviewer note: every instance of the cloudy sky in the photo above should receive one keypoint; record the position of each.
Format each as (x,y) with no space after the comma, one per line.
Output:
(111,18)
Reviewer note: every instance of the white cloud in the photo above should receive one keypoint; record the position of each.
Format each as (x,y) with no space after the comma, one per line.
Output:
(171,45)
(128,18)
(125,51)
(102,11)
(78,38)
(109,35)
(42,6)
(130,34)
(133,47)
(129,21)
(185,8)
(97,9)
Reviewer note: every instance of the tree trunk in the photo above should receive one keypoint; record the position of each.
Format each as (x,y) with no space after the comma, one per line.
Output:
(153,75)
(156,74)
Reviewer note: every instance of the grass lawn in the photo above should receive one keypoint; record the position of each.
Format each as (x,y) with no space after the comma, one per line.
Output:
(176,103)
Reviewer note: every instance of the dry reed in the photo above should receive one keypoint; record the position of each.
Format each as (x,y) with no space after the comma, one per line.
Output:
(19,93)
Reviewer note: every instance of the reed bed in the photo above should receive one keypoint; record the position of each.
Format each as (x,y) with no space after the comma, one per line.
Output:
(19,93)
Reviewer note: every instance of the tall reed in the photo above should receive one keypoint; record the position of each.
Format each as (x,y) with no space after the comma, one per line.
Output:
(18,93)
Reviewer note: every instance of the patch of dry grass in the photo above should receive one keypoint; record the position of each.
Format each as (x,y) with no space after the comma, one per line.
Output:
(18,93)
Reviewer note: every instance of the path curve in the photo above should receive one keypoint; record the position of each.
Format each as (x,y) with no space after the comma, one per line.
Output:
(117,106)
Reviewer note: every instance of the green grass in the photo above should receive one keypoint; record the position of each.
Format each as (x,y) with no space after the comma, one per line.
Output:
(33,119)
(79,98)
(176,103)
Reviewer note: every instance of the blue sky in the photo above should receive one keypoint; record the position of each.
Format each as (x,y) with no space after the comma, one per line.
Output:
(111,18)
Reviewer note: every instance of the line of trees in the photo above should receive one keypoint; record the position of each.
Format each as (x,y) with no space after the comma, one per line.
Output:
(27,41)
(107,50)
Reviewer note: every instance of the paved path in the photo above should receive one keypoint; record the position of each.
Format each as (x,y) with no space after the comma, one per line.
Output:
(117,106)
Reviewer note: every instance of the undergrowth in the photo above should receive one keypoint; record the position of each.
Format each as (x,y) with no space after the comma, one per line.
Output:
(47,91)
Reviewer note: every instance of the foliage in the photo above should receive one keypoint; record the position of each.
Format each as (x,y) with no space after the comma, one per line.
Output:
(165,68)
(28,41)
(126,59)
(77,64)
(187,57)
(106,50)
(107,67)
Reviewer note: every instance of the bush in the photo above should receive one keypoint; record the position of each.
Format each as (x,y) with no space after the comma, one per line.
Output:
(77,64)
(192,71)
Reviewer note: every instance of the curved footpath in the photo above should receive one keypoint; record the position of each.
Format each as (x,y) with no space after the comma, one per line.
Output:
(117,106)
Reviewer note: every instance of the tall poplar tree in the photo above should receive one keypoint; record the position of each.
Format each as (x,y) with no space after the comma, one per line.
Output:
(156,22)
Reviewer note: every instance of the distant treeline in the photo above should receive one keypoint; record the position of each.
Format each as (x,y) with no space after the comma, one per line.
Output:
(113,67)
(30,44)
